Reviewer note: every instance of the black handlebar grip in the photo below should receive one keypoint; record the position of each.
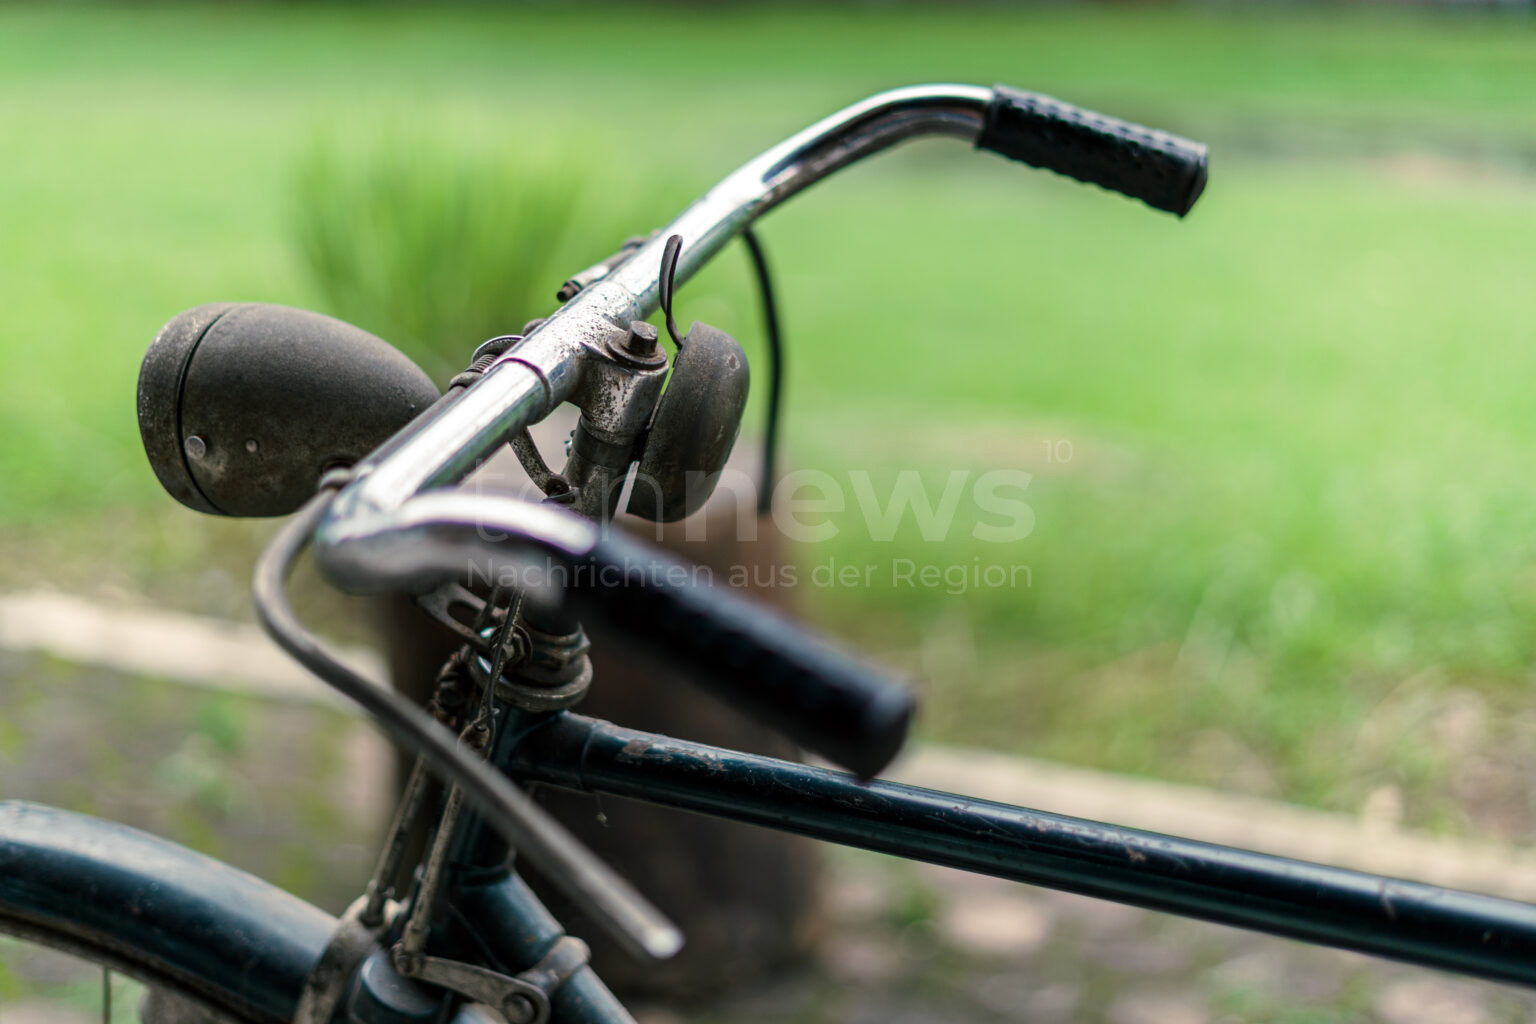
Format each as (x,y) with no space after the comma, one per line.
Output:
(750,657)
(1162,170)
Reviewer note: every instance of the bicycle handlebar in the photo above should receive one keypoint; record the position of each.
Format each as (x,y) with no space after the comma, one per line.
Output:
(398,524)
(383,532)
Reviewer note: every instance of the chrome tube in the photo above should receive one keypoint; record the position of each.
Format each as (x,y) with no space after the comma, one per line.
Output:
(448,446)
(629,291)
(443,536)
(567,353)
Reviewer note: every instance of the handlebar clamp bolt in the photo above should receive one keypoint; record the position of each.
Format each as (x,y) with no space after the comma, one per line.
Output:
(642,340)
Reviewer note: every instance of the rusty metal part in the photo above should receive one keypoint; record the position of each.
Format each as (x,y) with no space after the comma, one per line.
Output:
(554,659)
(350,944)
(449,698)
(596,468)
(413,940)
(476,736)
(443,602)
(532,697)
(597,271)
(484,356)
(555,675)
(522,998)
(451,694)
(376,897)
(640,346)
(510,647)
(545,479)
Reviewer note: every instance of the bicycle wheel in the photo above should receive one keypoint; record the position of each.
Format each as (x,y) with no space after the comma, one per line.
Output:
(237,947)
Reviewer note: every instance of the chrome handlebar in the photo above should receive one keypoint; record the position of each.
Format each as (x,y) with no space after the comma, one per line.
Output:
(399,523)
(379,534)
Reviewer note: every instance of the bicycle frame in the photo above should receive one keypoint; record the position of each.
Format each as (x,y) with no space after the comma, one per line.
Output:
(398,524)
(1424,924)
(497,921)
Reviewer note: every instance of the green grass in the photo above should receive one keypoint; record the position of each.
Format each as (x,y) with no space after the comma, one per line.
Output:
(427,242)
(1299,420)
(58,984)
(1297,474)
(153,149)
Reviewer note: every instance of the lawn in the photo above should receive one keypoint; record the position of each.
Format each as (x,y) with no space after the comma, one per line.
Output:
(1279,451)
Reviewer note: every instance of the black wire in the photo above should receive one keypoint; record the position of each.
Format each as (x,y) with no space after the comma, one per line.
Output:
(775,370)
(666,283)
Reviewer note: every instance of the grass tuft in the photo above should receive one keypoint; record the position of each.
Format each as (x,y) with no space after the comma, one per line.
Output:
(436,244)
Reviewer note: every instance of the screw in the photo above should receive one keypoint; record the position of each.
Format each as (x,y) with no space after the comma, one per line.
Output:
(519,1009)
(641,340)
(196,447)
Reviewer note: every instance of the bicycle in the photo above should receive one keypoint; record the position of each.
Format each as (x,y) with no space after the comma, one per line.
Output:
(261,410)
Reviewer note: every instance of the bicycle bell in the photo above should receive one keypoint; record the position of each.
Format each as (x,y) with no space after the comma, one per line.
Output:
(694,428)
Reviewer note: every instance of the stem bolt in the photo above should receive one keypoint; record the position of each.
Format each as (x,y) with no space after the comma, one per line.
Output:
(641,340)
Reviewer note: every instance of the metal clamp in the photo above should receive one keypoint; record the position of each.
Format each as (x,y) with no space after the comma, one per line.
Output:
(522,998)
(350,945)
